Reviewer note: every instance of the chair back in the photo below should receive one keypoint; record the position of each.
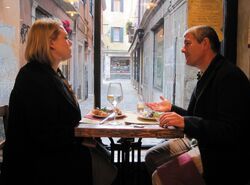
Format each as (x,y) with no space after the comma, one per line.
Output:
(126,154)
(4,113)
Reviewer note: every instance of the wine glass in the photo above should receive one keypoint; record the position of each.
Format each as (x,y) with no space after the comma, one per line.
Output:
(140,107)
(114,96)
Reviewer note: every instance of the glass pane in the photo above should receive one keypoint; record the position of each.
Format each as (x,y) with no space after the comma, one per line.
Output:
(117,5)
(158,58)
(118,64)
(116,34)
(148,60)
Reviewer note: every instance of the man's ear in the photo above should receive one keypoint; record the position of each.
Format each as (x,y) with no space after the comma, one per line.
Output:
(206,43)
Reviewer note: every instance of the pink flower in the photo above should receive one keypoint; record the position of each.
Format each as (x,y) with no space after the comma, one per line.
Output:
(66,25)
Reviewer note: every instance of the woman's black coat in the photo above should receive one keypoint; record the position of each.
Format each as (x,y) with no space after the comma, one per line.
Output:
(218,117)
(40,145)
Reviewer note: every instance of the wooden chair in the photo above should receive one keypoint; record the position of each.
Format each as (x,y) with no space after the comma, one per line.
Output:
(4,112)
(128,159)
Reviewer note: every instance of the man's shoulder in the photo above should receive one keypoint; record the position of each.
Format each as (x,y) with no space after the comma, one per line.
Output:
(229,72)
(227,67)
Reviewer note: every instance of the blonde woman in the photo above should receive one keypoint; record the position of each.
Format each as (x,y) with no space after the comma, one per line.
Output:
(40,145)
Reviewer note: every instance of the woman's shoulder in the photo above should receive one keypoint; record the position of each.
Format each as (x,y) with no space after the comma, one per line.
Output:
(35,69)
(35,66)
(32,74)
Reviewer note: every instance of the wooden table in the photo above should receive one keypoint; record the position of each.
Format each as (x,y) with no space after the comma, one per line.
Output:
(129,127)
(126,131)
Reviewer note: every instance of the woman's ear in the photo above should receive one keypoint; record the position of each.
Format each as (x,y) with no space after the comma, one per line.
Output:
(51,44)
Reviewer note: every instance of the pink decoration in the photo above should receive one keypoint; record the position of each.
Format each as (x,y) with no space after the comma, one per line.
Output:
(66,25)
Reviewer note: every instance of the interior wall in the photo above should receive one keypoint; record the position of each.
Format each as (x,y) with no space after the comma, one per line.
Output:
(243,36)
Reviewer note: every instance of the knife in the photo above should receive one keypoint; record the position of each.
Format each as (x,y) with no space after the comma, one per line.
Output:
(105,119)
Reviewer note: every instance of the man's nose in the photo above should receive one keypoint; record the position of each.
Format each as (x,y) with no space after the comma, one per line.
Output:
(183,49)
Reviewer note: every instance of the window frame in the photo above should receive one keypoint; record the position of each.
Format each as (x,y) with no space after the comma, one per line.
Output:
(116,9)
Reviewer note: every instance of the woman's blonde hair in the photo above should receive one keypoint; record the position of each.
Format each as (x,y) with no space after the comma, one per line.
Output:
(40,35)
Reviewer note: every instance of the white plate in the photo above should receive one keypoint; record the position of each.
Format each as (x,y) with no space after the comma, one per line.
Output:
(147,118)
(117,116)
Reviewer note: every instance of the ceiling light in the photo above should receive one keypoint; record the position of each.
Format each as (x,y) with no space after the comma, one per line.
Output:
(72,13)
(71,1)
(150,5)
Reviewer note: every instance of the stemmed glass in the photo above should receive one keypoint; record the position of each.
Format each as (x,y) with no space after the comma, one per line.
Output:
(115,96)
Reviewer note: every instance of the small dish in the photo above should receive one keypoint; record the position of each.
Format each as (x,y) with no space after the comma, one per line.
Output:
(147,118)
(99,116)
(154,116)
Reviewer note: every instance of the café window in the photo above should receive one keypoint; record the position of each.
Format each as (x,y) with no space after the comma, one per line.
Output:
(117,5)
(120,68)
(119,65)
(116,34)
(158,58)
(64,66)
(41,13)
(91,8)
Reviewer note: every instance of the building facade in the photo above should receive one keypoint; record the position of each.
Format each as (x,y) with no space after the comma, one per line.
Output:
(158,65)
(116,18)
(16,17)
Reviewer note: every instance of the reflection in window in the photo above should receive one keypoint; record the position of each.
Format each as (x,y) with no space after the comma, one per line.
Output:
(248,33)
(116,34)
(117,5)
(91,8)
(41,13)
(64,66)
(158,57)
(120,68)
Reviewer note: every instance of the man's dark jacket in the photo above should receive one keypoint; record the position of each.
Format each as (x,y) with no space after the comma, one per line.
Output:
(218,117)
(40,146)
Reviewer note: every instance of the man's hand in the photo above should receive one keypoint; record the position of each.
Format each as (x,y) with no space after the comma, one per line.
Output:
(163,106)
(171,119)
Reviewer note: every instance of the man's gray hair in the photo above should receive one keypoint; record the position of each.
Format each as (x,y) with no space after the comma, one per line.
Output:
(204,31)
